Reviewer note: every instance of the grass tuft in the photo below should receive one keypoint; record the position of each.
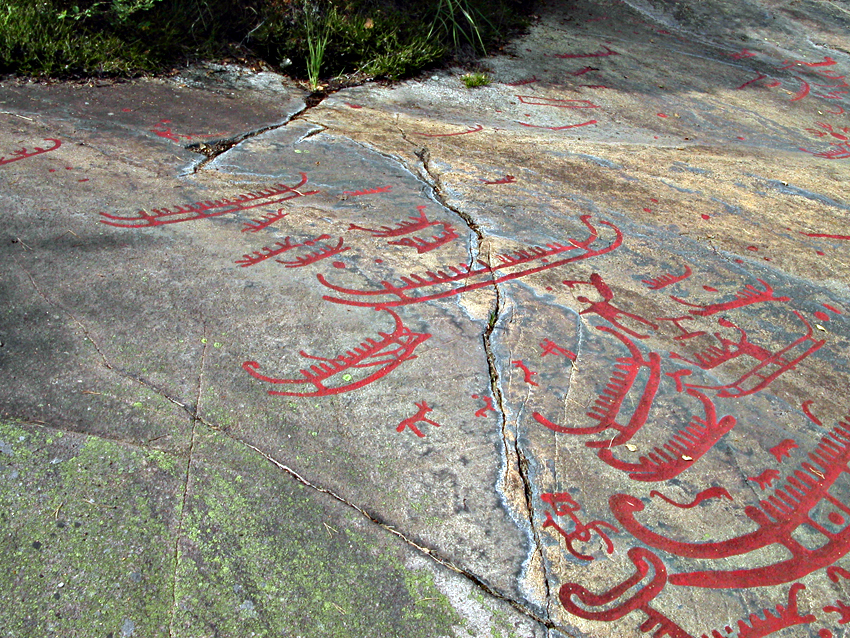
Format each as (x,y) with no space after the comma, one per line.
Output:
(472,80)
(342,41)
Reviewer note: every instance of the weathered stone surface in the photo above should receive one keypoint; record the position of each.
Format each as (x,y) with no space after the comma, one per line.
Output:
(580,336)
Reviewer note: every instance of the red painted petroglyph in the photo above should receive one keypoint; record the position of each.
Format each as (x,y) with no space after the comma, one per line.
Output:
(584,70)
(368,191)
(804,90)
(705,495)
(842,608)
(633,594)
(563,504)
(207,209)
(24,153)
(564,104)
(839,151)
(606,310)
(457,279)
(806,406)
(604,52)
(774,620)
(743,53)
(667,279)
(765,479)
(558,128)
(782,450)
(827,61)
(267,252)
(681,451)
(383,355)
(527,374)
(488,405)
(324,252)
(607,408)
(686,334)
(402,228)
(827,236)
(770,364)
(550,347)
(834,573)
(745,297)
(164,131)
(777,517)
(425,245)
(507,179)
(761,76)
(419,417)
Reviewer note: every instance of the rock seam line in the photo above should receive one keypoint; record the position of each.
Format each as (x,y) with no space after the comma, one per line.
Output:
(521,465)
(190,451)
(198,418)
(212,151)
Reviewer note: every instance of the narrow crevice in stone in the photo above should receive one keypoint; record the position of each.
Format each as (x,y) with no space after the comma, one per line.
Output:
(185,492)
(213,150)
(434,181)
(427,551)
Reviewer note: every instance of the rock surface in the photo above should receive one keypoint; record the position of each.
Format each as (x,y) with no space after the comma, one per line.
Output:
(565,355)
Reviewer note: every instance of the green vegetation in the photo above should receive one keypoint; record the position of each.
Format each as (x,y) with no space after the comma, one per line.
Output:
(326,42)
(471,80)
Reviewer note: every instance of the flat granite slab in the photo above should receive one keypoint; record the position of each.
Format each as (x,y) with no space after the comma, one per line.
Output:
(566,355)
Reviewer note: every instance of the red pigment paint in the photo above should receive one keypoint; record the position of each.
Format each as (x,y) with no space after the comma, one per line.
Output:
(419,417)
(368,191)
(488,405)
(678,454)
(827,236)
(324,252)
(765,479)
(207,209)
(383,354)
(37,150)
(550,347)
(807,410)
(745,297)
(527,374)
(666,279)
(568,104)
(507,179)
(559,128)
(610,403)
(563,504)
(711,492)
(425,245)
(783,449)
(467,277)
(777,518)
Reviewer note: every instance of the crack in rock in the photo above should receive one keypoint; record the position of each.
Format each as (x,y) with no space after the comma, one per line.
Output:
(213,150)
